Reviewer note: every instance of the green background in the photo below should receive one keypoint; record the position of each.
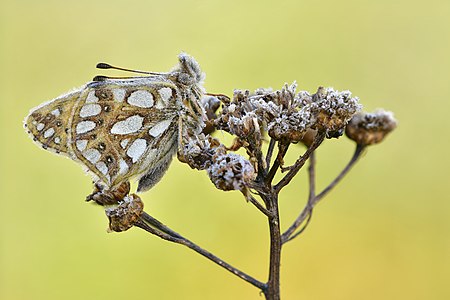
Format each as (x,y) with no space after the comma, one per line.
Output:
(384,232)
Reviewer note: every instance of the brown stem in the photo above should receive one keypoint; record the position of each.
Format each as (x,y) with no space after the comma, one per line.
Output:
(312,176)
(356,155)
(258,205)
(273,285)
(293,170)
(148,223)
(313,200)
(312,194)
(269,153)
(282,149)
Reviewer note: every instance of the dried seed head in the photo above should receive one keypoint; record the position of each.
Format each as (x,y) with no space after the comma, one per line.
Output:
(331,109)
(370,128)
(199,150)
(244,126)
(231,172)
(246,113)
(286,115)
(286,95)
(290,126)
(123,216)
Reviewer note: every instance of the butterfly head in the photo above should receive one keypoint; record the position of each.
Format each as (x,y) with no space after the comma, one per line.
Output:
(189,72)
(189,78)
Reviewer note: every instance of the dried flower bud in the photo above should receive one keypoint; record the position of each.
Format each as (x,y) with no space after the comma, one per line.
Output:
(290,126)
(265,107)
(286,95)
(370,128)
(244,126)
(199,150)
(332,109)
(231,172)
(123,216)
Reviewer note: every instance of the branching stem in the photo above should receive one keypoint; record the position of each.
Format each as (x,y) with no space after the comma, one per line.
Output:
(282,149)
(258,205)
(153,226)
(269,153)
(293,170)
(356,155)
(313,200)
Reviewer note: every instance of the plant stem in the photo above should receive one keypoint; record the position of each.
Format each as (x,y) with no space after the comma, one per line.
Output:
(299,163)
(273,285)
(282,149)
(258,205)
(356,155)
(269,153)
(313,200)
(148,223)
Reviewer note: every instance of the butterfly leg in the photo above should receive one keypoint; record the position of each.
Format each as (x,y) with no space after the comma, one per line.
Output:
(197,149)
(104,196)
(189,146)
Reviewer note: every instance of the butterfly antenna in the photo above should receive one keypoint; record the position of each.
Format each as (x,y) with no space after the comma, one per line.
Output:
(104,78)
(108,66)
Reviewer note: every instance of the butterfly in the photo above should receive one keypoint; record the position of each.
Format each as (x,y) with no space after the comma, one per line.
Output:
(123,128)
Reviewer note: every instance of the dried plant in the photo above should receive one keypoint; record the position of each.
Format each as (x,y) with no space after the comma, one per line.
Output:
(279,119)
(266,124)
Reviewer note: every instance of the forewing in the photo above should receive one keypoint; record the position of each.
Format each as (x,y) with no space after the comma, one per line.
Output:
(121,129)
(49,123)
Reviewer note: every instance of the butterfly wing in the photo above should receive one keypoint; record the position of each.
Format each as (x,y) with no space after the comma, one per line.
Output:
(48,124)
(123,129)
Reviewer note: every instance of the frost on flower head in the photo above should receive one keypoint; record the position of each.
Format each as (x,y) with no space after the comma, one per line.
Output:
(370,128)
(331,109)
(231,172)
(286,115)
(198,151)
(291,126)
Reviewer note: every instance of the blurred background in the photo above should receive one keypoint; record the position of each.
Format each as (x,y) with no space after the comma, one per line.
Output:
(383,233)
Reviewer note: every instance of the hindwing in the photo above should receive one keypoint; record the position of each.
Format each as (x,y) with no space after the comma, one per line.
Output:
(48,124)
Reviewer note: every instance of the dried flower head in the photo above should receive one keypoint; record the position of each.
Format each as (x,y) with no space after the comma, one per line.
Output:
(123,216)
(198,151)
(286,115)
(291,126)
(370,128)
(231,172)
(244,126)
(331,109)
